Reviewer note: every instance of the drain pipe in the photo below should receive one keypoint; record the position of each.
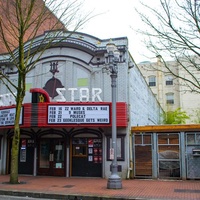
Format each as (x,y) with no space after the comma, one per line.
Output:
(130,164)
(130,168)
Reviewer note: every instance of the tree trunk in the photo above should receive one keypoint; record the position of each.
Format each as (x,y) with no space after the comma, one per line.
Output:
(14,156)
(15,144)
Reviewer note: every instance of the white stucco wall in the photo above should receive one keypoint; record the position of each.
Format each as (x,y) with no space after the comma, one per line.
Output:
(144,108)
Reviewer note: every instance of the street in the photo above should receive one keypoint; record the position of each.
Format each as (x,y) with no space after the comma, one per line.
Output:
(6,197)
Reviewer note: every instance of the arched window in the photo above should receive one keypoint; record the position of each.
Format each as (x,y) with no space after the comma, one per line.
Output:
(169,80)
(152,80)
(170,98)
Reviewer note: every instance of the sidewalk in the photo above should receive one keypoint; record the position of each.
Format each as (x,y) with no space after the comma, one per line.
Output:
(96,188)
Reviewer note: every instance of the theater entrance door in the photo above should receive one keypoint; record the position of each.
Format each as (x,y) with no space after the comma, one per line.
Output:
(51,157)
(87,157)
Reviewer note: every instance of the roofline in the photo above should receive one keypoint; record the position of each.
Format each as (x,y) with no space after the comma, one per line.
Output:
(166,128)
(91,43)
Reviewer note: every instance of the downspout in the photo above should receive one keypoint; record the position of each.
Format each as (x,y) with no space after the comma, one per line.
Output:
(130,168)
(130,164)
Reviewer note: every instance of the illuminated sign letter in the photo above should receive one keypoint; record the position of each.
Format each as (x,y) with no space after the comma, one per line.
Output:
(62,98)
(97,94)
(7,99)
(84,96)
(1,100)
(72,93)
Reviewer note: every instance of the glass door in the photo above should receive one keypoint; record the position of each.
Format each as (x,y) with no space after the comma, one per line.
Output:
(58,158)
(51,160)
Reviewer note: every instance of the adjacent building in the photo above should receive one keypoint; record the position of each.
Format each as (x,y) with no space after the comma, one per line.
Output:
(171,92)
(166,151)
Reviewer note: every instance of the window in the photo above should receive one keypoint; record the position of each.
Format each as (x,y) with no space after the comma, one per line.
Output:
(79,147)
(120,148)
(170,98)
(169,80)
(193,138)
(152,80)
(79,150)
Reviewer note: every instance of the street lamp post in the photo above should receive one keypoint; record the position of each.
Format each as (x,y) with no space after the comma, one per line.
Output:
(114,181)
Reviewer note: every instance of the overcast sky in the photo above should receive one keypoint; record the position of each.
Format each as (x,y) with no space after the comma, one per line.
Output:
(118,19)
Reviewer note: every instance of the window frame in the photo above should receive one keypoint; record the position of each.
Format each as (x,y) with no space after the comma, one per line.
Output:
(168,99)
(152,80)
(169,80)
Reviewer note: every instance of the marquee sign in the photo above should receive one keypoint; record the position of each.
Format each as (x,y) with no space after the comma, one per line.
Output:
(7,117)
(78,114)
(63,115)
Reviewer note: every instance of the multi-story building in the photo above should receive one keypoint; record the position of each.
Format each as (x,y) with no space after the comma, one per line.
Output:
(171,92)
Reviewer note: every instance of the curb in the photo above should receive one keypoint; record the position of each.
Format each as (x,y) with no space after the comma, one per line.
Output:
(59,196)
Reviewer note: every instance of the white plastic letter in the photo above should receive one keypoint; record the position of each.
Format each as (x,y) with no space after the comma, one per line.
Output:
(72,93)
(62,98)
(96,94)
(1,102)
(84,96)
(12,99)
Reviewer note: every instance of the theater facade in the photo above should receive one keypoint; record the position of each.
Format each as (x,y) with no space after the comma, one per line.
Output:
(66,119)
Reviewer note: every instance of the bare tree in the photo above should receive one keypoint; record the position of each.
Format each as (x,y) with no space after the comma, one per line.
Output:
(173,32)
(22,21)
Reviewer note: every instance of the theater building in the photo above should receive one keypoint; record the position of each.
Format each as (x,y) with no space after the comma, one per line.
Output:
(66,120)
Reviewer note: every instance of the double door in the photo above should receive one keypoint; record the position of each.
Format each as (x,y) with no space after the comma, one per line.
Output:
(51,157)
